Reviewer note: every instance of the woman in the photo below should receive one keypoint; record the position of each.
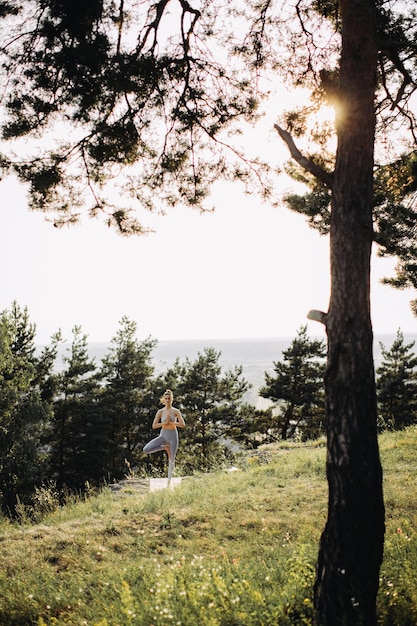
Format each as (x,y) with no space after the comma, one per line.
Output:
(167,419)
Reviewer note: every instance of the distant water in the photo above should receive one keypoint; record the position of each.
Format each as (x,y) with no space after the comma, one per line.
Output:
(256,356)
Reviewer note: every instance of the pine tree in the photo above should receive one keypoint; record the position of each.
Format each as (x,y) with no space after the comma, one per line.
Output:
(250,426)
(78,440)
(397,385)
(209,400)
(23,411)
(297,388)
(128,399)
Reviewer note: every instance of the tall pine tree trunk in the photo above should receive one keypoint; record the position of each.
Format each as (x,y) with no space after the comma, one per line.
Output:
(351,545)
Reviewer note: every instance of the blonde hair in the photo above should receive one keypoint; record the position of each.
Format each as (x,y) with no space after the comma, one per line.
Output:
(162,398)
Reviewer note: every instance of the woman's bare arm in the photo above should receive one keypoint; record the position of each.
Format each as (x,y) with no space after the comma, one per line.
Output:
(179,421)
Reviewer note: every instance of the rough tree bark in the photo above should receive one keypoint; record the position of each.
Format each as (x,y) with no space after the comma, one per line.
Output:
(351,546)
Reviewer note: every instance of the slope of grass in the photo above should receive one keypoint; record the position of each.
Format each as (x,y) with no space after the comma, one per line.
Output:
(220,550)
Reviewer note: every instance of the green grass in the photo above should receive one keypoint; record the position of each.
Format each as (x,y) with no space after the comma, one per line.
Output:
(225,549)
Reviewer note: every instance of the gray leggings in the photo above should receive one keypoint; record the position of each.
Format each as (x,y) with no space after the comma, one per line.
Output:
(158,444)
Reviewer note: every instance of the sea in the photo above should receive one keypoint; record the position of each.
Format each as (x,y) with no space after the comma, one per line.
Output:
(256,356)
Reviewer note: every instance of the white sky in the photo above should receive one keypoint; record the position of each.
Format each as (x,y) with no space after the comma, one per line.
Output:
(246,270)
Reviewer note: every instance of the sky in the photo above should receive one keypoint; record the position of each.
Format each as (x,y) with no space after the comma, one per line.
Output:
(246,270)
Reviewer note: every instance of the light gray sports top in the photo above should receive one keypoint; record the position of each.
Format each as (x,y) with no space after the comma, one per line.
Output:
(167,416)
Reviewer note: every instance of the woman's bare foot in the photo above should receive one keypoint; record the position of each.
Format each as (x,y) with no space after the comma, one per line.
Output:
(167,448)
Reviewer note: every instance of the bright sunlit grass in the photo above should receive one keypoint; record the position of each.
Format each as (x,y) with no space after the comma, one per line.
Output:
(226,548)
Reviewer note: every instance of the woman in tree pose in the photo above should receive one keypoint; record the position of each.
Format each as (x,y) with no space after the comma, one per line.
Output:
(167,419)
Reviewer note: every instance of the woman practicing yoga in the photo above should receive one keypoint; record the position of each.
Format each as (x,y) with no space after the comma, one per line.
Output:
(167,419)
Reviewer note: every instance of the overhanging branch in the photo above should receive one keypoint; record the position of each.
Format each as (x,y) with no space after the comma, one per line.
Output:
(307,164)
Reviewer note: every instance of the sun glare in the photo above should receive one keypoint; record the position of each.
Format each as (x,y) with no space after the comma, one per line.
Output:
(325,114)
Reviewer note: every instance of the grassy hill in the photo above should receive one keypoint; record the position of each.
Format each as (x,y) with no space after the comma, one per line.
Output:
(219,550)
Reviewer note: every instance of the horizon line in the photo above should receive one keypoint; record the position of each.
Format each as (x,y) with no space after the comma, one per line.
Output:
(233,339)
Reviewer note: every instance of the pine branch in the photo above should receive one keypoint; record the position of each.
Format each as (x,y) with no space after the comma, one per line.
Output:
(307,164)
